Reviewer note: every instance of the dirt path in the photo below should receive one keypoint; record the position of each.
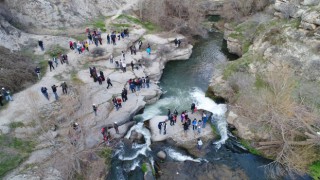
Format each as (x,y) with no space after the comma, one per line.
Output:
(20,109)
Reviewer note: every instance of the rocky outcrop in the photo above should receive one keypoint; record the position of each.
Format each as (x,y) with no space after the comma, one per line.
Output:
(245,129)
(234,45)
(44,16)
(162,155)
(310,20)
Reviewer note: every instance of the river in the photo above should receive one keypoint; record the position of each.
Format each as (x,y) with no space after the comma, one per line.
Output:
(182,83)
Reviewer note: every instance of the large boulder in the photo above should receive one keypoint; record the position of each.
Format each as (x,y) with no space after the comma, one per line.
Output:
(162,155)
(137,137)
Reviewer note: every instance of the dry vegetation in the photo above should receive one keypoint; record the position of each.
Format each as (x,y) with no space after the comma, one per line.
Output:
(70,156)
(237,9)
(273,102)
(16,70)
(181,16)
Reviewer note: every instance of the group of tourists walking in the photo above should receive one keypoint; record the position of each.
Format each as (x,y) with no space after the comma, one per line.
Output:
(45,92)
(63,58)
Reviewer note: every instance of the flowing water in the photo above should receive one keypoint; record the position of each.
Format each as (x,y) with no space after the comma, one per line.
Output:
(184,82)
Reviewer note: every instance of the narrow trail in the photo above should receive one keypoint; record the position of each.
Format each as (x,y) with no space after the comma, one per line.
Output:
(20,109)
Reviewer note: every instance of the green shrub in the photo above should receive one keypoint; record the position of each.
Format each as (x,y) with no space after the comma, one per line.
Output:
(13,151)
(248,146)
(56,50)
(314,169)
(144,167)
(14,125)
(106,153)
(145,24)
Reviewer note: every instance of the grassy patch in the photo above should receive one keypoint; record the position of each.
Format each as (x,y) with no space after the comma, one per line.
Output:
(56,50)
(119,26)
(39,59)
(251,149)
(150,27)
(106,153)
(98,23)
(14,125)
(13,152)
(75,78)
(314,170)
(260,83)
(79,37)
(144,167)
(43,66)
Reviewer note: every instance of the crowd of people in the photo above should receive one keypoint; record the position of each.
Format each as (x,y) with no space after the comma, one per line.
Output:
(95,37)
(186,122)
(63,58)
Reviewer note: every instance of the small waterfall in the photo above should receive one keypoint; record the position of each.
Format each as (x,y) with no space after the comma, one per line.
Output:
(218,111)
(180,157)
(138,148)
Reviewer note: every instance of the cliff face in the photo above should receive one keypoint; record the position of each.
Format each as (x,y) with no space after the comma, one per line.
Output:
(41,16)
(273,88)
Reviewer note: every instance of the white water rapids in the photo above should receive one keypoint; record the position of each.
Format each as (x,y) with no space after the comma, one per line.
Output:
(218,111)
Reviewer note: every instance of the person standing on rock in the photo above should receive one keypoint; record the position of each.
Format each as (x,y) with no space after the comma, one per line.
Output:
(111,59)
(71,45)
(124,95)
(54,90)
(175,41)
(100,80)
(194,124)
(199,144)
(124,67)
(116,127)
(40,42)
(64,88)
(159,127)
(55,61)
(193,106)
(134,50)
(204,120)
(164,128)
(143,84)
(199,124)
(179,43)
(125,91)
(1,97)
(102,76)
(132,66)
(44,91)
(6,94)
(148,50)
(140,44)
(86,45)
(169,113)
(95,109)
(185,127)
(132,87)
(109,82)
(90,38)
(37,70)
(108,39)
(171,119)
(50,64)
(119,101)
(65,58)
(147,81)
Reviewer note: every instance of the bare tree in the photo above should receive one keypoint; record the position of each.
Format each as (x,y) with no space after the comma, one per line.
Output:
(291,126)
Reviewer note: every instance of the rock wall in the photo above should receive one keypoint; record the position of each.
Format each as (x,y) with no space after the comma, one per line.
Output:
(42,16)
(287,41)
